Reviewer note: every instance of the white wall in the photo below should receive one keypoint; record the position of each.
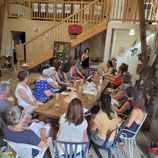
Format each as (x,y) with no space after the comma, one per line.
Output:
(122,39)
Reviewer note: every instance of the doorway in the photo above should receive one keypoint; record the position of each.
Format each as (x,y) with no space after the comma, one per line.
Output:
(18,38)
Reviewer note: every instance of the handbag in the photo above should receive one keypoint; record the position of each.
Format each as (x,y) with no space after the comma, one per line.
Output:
(154,152)
(4,153)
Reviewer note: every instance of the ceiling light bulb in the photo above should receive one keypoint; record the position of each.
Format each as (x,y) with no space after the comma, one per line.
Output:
(132,32)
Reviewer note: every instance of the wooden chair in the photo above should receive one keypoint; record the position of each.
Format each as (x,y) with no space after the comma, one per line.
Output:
(11,96)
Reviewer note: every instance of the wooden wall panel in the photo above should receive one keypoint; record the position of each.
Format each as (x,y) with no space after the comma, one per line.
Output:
(2,10)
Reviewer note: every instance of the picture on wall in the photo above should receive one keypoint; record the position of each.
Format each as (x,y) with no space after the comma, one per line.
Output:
(59,8)
(60,51)
(43,7)
(97,9)
(67,8)
(50,8)
(35,7)
(121,51)
(76,7)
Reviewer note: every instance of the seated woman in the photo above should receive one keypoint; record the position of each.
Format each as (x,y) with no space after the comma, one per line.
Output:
(105,121)
(120,93)
(126,108)
(52,80)
(58,76)
(66,70)
(79,67)
(73,125)
(74,72)
(43,91)
(23,93)
(109,70)
(117,79)
(137,116)
(16,132)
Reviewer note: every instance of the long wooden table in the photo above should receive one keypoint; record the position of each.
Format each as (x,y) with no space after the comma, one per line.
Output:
(49,110)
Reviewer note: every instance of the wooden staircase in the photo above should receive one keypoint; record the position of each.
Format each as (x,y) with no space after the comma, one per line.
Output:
(40,48)
(93,17)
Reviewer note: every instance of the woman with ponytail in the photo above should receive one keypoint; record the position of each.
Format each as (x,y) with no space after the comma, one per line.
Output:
(104,122)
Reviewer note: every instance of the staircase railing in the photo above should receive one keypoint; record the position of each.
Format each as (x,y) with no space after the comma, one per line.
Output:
(128,10)
(43,44)
(44,9)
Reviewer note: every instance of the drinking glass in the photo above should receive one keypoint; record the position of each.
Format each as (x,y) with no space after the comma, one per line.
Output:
(81,81)
(99,87)
(57,106)
(80,88)
(95,92)
(57,95)
(89,99)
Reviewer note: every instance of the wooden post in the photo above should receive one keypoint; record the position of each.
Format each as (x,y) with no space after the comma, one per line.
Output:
(2,10)
(143,34)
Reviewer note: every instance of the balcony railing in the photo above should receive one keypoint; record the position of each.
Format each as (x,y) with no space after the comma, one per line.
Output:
(121,10)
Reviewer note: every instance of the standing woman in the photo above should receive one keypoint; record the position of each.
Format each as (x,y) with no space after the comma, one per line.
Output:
(85,59)
(24,94)
(73,125)
(104,122)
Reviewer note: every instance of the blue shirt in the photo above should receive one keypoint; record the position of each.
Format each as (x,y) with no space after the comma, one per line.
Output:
(26,137)
(40,87)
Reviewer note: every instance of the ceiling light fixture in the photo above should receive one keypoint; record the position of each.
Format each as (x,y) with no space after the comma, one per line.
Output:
(132,32)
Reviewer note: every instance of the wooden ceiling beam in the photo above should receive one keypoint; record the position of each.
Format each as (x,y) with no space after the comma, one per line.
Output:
(2,10)
(143,34)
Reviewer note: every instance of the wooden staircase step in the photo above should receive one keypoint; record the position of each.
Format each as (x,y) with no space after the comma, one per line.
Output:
(40,59)
(89,33)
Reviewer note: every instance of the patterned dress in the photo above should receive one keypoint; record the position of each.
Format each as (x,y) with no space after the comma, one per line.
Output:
(40,87)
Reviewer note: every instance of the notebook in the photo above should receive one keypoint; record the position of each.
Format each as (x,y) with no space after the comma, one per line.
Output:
(37,128)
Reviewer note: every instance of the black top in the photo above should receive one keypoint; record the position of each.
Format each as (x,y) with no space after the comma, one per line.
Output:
(85,63)
(128,111)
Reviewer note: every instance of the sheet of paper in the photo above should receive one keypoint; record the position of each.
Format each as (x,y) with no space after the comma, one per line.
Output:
(64,93)
(84,110)
(88,92)
(36,128)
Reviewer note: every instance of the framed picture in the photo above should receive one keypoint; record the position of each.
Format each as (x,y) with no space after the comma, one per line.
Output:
(50,8)
(59,8)
(43,7)
(35,7)
(67,8)
(76,7)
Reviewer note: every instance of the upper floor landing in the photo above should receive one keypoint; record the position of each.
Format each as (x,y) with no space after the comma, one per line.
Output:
(120,10)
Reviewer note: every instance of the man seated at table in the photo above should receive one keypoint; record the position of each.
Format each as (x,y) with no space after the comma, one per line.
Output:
(4,104)
(43,91)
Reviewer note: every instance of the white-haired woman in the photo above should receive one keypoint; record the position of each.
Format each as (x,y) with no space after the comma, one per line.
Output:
(15,131)
(52,80)
(43,91)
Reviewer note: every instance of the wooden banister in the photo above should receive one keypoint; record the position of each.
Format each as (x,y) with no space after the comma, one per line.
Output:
(92,14)
(59,23)
(40,48)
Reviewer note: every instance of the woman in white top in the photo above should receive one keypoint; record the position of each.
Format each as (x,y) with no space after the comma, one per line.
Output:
(23,93)
(52,80)
(109,68)
(73,126)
